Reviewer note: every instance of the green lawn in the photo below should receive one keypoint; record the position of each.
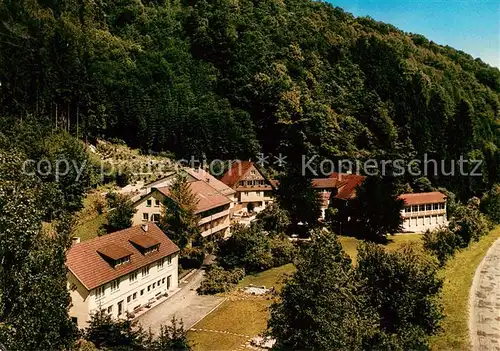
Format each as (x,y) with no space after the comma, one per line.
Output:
(247,315)
(458,274)
(88,229)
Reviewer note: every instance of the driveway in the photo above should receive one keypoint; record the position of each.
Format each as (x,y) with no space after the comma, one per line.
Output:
(484,322)
(186,305)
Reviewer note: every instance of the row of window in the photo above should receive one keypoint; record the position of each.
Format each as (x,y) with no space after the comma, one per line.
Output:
(252,183)
(132,277)
(428,207)
(425,220)
(133,297)
(155,217)
(150,202)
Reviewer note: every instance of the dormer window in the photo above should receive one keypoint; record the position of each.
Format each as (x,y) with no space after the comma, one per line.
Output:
(115,255)
(145,244)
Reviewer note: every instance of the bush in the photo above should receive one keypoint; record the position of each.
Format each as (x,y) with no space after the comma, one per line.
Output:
(468,223)
(491,204)
(442,243)
(218,280)
(283,251)
(191,257)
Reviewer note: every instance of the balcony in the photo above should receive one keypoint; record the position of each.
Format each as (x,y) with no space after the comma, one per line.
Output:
(213,217)
(424,213)
(214,229)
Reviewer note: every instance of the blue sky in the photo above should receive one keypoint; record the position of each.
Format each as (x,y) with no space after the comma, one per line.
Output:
(472,26)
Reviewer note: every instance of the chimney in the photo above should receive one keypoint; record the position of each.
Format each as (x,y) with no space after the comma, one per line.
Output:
(75,240)
(208,180)
(145,227)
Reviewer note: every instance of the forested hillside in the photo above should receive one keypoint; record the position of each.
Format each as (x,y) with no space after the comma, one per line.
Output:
(225,79)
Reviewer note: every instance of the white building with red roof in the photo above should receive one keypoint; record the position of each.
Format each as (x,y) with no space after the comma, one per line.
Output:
(214,203)
(121,272)
(423,211)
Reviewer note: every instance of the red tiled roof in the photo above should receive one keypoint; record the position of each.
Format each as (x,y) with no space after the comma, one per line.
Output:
(423,198)
(236,172)
(92,270)
(207,196)
(201,174)
(348,184)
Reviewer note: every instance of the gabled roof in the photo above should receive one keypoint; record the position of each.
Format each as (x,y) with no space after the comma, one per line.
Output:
(92,270)
(207,196)
(236,172)
(348,183)
(201,174)
(423,198)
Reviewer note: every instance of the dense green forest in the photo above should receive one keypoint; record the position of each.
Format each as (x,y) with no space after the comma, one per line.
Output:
(227,78)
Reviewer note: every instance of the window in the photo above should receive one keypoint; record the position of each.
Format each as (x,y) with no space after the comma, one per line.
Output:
(158,282)
(145,271)
(132,277)
(407,209)
(142,292)
(110,309)
(145,217)
(163,281)
(129,298)
(134,296)
(149,288)
(169,279)
(122,260)
(436,206)
(246,193)
(258,193)
(99,292)
(115,285)
(156,217)
(169,260)
(429,207)
(422,207)
(148,203)
(154,285)
(157,203)
(160,263)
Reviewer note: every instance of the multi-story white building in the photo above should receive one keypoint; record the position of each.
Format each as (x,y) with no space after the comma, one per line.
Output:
(213,208)
(423,211)
(121,272)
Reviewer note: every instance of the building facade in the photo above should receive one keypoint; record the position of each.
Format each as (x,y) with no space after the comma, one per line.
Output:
(213,208)
(253,190)
(423,211)
(121,272)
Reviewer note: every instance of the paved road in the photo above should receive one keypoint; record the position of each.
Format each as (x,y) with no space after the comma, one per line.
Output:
(186,305)
(484,323)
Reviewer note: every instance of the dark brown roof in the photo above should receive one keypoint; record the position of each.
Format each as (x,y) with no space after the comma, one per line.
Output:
(144,241)
(423,198)
(207,196)
(325,183)
(348,183)
(236,172)
(92,270)
(114,251)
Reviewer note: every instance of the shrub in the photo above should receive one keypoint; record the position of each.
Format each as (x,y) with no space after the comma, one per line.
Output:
(191,257)
(468,223)
(218,280)
(491,204)
(283,251)
(442,243)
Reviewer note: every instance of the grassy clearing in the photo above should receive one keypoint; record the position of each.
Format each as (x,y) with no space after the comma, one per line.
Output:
(247,315)
(458,275)
(88,229)
(350,244)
